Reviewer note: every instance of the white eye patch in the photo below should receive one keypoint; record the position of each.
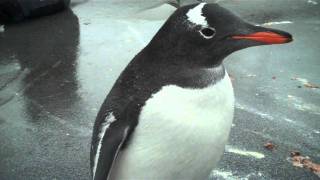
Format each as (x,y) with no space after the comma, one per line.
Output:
(196,17)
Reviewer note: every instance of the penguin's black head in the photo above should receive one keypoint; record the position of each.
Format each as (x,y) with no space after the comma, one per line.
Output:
(206,33)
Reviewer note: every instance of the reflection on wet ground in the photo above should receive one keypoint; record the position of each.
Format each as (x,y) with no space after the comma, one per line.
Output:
(56,70)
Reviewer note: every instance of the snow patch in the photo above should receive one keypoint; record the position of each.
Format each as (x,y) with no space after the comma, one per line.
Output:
(254,111)
(256,155)
(312,2)
(224,174)
(299,104)
(316,131)
(302,80)
(289,120)
(228,175)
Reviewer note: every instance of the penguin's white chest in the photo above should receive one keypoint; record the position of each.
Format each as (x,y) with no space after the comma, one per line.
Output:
(181,134)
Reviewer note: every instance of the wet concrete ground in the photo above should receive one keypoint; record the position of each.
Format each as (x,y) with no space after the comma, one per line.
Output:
(55,72)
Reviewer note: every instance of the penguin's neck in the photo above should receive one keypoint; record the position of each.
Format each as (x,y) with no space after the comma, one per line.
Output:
(197,77)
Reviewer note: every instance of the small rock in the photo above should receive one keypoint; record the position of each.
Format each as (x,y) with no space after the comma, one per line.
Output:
(295,153)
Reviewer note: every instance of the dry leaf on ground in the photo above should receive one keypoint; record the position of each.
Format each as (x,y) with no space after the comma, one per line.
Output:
(269,146)
(306,83)
(309,85)
(304,162)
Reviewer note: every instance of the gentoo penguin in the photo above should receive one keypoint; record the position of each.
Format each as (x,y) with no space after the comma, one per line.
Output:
(169,114)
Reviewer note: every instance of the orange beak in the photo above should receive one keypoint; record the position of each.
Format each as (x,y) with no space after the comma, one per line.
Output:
(265,37)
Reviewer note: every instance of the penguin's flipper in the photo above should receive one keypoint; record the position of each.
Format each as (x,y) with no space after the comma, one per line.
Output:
(109,142)
(111,133)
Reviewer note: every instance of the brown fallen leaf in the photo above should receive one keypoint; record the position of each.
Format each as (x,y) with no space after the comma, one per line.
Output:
(269,146)
(314,167)
(304,162)
(297,161)
(309,85)
(305,83)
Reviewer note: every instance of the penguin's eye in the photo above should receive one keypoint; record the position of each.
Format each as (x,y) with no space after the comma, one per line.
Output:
(208,32)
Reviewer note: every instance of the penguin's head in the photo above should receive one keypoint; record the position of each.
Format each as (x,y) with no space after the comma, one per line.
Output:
(207,33)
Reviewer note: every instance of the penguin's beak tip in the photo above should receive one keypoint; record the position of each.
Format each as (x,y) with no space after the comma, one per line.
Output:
(266,37)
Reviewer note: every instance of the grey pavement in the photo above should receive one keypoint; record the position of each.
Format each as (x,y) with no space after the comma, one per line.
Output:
(55,72)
